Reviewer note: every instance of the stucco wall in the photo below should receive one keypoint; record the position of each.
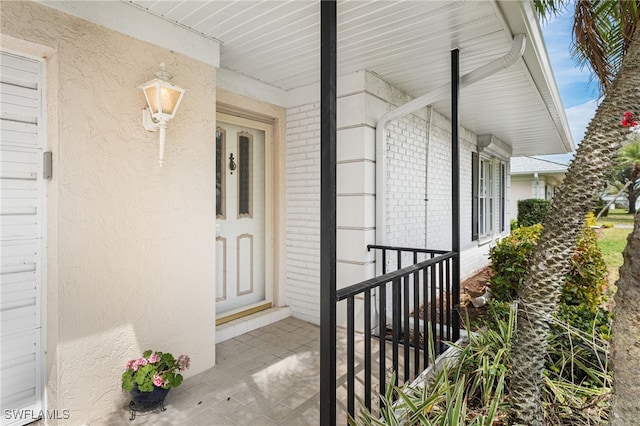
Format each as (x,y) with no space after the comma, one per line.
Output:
(130,244)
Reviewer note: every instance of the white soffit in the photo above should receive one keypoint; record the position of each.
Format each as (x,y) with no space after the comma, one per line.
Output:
(406,43)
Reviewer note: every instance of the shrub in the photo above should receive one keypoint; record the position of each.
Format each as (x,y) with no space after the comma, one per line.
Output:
(586,282)
(584,285)
(473,389)
(509,260)
(532,211)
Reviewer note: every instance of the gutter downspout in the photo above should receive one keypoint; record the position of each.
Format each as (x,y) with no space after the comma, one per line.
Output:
(517,50)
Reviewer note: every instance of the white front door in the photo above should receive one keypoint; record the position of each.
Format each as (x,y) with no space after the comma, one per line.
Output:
(242,214)
(22,214)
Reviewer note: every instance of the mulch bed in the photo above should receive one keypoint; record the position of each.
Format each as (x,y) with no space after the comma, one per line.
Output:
(471,287)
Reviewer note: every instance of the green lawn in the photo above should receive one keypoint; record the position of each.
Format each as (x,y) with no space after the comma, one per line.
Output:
(612,242)
(617,217)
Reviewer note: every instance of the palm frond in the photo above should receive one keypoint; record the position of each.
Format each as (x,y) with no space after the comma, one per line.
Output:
(546,9)
(602,31)
(591,41)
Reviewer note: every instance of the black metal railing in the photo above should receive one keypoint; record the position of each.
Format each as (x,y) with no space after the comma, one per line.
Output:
(414,305)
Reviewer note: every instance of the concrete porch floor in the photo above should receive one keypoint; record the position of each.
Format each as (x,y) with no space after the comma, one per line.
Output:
(268,376)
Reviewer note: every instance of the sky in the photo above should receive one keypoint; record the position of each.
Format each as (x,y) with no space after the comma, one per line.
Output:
(579,94)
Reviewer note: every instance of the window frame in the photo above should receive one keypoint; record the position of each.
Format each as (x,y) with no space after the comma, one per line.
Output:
(488,203)
(221,205)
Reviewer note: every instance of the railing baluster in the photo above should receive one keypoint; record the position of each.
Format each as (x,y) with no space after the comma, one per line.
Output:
(350,356)
(441,307)
(416,328)
(425,316)
(367,349)
(395,326)
(449,300)
(405,332)
(436,275)
(434,283)
(382,330)
(416,323)
(384,261)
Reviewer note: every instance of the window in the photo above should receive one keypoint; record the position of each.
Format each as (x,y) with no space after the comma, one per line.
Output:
(488,187)
(220,184)
(485,197)
(245,179)
(475,162)
(503,191)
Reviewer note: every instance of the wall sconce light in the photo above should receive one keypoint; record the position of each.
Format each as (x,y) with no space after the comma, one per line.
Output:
(163,99)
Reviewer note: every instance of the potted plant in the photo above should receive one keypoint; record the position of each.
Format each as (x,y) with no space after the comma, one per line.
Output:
(148,379)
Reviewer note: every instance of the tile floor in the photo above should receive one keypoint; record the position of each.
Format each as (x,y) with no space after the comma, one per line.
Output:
(268,376)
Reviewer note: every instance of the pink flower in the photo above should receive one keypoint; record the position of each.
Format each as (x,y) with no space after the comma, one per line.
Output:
(157,380)
(130,364)
(184,362)
(154,358)
(139,363)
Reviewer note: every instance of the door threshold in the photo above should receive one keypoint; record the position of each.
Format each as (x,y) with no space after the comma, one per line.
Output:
(245,324)
(242,313)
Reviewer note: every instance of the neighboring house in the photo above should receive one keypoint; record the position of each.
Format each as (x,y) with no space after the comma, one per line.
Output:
(533,177)
(114,254)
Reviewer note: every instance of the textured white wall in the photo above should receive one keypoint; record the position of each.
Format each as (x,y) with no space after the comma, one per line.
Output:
(131,266)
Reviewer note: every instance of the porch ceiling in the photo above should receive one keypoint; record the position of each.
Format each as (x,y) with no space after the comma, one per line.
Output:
(406,43)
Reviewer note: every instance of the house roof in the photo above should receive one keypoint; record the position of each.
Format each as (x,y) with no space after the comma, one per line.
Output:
(531,165)
(406,43)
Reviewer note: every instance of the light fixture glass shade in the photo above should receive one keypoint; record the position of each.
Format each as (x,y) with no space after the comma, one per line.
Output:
(163,98)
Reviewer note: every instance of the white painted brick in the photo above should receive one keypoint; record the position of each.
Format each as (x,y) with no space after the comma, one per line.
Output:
(352,273)
(356,211)
(351,245)
(303,211)
(413,174)
(356,178)
(356,143)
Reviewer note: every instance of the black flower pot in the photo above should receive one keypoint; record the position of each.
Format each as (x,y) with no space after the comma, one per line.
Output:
(146,401)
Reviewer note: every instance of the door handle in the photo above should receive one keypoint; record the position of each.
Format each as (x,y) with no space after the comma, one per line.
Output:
(232,163)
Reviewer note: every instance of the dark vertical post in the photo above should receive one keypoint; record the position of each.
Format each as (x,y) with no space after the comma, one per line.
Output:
(367,349)
(351,371)
(382,333)
(328,104)
(455,190)
(395,325)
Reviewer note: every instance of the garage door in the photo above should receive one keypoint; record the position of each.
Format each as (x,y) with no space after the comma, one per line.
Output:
(22,217)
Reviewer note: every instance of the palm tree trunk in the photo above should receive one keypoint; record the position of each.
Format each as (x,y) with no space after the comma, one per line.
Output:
(633,199)
(543,284)
(625,340)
